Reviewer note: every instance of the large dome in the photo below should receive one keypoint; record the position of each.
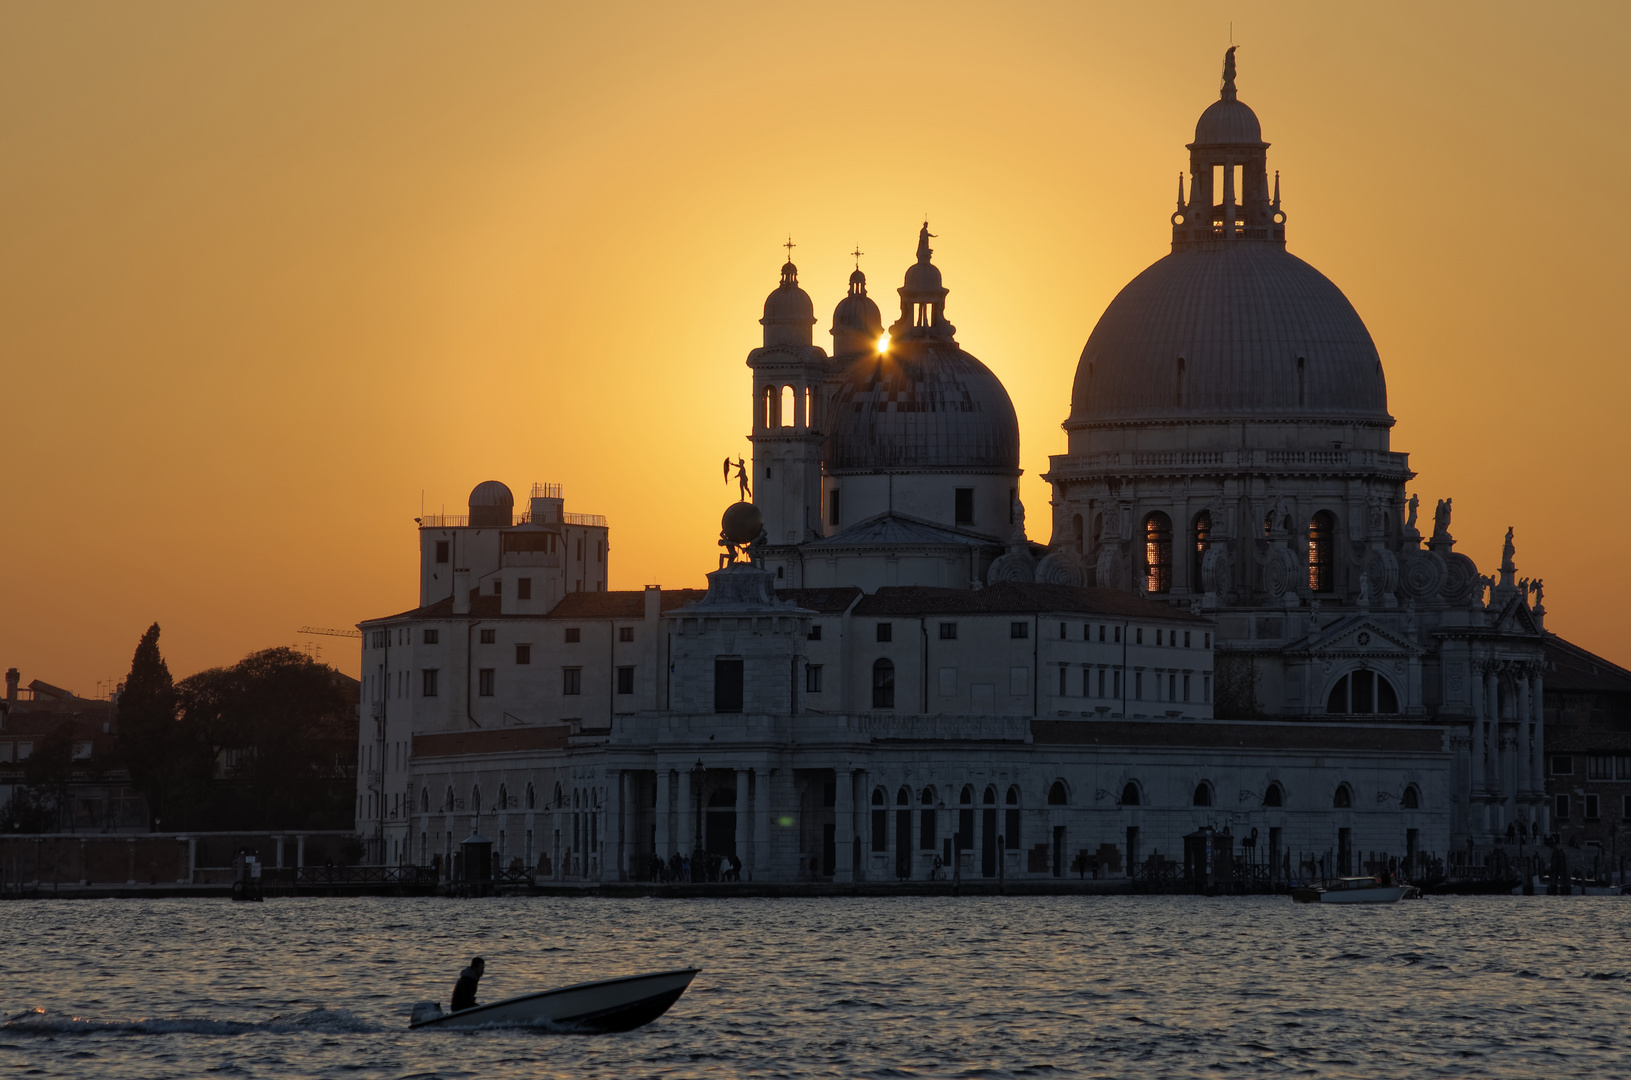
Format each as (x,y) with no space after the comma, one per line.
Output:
(922,405)
(1230,330)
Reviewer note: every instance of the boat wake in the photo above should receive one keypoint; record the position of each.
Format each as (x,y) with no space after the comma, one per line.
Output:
(320,1021)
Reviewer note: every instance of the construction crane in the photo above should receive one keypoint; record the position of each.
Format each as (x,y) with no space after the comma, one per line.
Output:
(326,632)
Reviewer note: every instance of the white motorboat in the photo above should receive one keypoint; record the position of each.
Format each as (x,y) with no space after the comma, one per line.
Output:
(602,1006)
(1354,890)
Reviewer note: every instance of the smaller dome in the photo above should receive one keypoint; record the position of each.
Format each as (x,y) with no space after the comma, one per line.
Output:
(857,311)
(923,277)
(789,312)
(857,278)
(491,505)
(1228,122)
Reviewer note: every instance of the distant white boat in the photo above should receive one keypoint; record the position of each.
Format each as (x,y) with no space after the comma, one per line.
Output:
(1354,890)
(603,1006)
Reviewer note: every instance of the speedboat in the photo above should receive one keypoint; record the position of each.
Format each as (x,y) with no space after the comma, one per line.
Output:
(1354,890)
(602,1006)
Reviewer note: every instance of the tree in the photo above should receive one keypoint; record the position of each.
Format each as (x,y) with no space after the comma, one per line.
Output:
(147,723)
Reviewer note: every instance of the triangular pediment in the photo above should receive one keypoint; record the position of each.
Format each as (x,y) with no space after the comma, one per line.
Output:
(1516,618)
(1356,635)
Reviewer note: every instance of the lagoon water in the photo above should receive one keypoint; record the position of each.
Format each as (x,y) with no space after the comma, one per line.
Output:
(901,987)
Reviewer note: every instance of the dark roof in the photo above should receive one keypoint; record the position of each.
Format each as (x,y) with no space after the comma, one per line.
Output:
(825,601)
(625,604)
(899,530)
(1569,667)
(1017,598)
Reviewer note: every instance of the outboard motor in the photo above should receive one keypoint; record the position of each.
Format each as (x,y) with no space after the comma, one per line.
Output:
(425,1010)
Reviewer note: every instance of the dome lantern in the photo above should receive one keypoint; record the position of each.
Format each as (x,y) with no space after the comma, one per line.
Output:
(789,317)
(923,298)
(1228,177)
(857,324)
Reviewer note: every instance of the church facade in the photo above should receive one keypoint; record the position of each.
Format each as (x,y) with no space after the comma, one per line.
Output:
(1237,629)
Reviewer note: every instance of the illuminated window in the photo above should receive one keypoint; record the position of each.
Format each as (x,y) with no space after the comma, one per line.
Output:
(1201,534)
(789,407)
(1158,552)
(1321,529)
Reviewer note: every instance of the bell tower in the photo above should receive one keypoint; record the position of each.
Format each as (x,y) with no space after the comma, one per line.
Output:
(789,406)
(1229,198)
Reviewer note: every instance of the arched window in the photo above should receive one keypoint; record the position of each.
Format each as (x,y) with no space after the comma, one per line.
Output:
(1129,794)
(1362,693)
(503,797)
(448,805)
(880,821)
(1411,799)
(560,797)
(1203,794)
(1057,795)
(1321,530)
(966,797)
(991,796)
(424,800)
(883,685)
(1344,798)
(790,408)
(475,799)
(1201,534)
(1158,552)
(928,797)
(809,408)
(926,838)
(770,407)
(1274,796)
(532,799)
(903,797)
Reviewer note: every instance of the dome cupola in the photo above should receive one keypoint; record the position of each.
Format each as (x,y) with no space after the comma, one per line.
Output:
(921,404)
(857,324)
(491,505)
(789,317)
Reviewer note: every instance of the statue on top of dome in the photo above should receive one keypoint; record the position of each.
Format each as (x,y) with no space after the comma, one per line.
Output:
(924,251)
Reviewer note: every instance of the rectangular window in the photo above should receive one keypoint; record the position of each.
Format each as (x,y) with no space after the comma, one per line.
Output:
(573,635)
(1139,640)
(523,588)
(523,654)
(963,507)
(1208,644)
(1560,807)
(1087,682)
(1172,686)
(1116,692)
(1101,631)
(1625,806)
(441,551)
(1062,634)
(498,586)
(948,631)
(727,684)
(484,682)
(431,637)
(1019,681)
(1019,630)
(1010,835)
(428,677)
(1186,639)
(1138,686)
(886,631)
(625,633)
(1562,765)
(1101,682)
(625,680)
(1591,807)
(1622,767)
(832,506)
(926,830)
(1186,687)
(948,682)
(1206,688)
(1599,767)
(880,829)
(815,632)
(488,637)
(600,551)
(571,681)
(1064,673)
(1118,635)
(812,678)
(1158,635)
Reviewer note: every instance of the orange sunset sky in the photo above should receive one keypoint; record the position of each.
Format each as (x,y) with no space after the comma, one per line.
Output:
(271,271)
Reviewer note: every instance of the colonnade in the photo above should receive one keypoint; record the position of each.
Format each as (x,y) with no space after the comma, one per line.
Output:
(1508,762)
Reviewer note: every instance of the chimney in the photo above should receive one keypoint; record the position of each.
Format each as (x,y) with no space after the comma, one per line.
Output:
(461,591)
(654,604)
(13,677)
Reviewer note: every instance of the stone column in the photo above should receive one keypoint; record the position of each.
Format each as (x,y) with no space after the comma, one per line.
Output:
(1537,747)
(844,825)
(744,819)
(763,824)
(1522,757)
(1492,710)
(1479,752)
(279,863)
(192,859)
(624,809)
(686,834)
(665,842)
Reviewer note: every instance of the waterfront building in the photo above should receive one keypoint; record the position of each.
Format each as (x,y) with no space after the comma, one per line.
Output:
(1236,624)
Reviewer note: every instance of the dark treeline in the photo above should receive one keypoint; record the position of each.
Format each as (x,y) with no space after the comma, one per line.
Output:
(268,743)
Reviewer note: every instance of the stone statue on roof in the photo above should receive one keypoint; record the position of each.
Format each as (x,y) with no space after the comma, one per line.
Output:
(1507,551)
